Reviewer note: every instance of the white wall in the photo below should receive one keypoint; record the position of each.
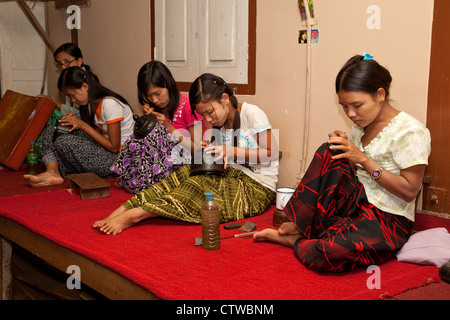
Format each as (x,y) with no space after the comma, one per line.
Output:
(22,52)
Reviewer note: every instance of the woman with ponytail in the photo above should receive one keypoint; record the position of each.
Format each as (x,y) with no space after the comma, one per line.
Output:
(93,140)
(244,142)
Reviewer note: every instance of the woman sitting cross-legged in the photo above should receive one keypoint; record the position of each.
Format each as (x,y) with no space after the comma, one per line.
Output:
(93,141)
(355,205)
(251,162)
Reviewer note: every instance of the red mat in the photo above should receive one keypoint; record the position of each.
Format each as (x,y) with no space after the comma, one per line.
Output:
(160,255)
(12,183)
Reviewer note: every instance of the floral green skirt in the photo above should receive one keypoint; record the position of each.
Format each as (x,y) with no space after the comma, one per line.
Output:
(52,122)
(180,196)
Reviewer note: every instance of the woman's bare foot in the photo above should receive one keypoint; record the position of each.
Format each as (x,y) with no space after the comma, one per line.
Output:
(289,228)
(286,235)
(115,224)
(101,223)
(47,178)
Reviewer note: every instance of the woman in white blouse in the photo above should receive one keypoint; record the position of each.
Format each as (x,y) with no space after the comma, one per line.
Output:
(355,205)
(94,140)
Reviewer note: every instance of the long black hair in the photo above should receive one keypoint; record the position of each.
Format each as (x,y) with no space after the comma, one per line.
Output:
(73,78)
(363,75)
(155,73)
(73,50)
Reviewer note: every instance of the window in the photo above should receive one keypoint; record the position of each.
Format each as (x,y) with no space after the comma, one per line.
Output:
(196,36)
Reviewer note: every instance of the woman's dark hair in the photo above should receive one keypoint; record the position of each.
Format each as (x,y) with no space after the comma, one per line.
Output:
(209,87)
(363,75)
(74,77)
(74,51)
(155,73)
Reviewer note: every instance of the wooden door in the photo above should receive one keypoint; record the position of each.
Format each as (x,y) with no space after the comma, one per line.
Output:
(437,177)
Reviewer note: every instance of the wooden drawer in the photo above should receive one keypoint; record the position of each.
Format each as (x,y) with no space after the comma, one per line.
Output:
(22,119)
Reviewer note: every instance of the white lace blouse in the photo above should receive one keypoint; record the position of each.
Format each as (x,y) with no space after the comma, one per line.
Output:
(403,143)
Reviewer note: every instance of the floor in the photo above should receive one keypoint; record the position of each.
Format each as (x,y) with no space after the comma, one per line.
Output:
(34,280)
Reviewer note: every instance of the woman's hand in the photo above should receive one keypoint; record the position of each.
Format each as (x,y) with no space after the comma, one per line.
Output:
(339,141)
(161,119)
(220,152)
(71,120)
(337,133)
(147,109)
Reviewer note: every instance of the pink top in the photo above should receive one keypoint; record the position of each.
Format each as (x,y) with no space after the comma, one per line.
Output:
(183,117)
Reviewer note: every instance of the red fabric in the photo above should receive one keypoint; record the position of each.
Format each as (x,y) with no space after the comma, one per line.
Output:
(160,255)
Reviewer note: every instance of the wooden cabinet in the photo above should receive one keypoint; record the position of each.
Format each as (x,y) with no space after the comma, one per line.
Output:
(22,119)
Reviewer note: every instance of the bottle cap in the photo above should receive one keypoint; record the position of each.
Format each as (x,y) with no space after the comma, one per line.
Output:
(209,195)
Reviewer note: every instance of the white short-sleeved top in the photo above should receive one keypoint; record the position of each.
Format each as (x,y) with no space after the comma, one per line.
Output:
(403,143)
(254,121)
(110,110)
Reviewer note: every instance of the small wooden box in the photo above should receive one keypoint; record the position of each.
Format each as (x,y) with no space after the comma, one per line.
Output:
(22,119)
(91,185)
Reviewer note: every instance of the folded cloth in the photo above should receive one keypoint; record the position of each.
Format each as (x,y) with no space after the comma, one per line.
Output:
(428,247)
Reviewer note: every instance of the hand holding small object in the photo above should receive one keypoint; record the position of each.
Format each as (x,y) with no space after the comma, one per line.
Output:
(221,151)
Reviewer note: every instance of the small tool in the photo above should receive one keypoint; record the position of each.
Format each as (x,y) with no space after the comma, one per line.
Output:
(232,226)
(248,227)
(199,240)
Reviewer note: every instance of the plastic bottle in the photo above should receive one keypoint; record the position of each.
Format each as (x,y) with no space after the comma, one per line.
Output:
(32,159)
(210,223)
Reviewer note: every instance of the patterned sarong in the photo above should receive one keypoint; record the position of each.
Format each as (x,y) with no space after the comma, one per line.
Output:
(180,196)
(143,162)
(342,229)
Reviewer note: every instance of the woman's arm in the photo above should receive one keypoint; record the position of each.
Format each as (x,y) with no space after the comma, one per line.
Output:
(112,144)
(406,185)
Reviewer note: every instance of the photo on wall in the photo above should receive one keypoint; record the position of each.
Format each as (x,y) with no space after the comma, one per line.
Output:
(303,37)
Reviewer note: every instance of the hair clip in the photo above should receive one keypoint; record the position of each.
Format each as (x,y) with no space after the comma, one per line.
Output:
(367,56)
(224,83)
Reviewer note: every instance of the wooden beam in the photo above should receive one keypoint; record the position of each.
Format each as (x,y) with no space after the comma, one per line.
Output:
(74,36)
(5,270)
(63,4)
(36,24)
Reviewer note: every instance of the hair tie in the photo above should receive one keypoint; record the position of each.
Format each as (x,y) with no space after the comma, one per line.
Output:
(224,83)
(367,56)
